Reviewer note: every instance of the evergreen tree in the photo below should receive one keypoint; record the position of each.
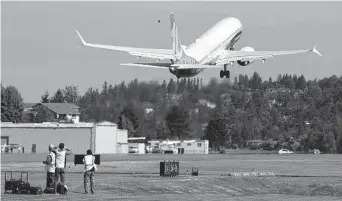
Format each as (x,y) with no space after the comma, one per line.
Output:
(128,120)
(11,104)
(171,87)
(301,83)
(177,121)
(255,81)
(70,94)
(217,131)
(58,97)
(45,98)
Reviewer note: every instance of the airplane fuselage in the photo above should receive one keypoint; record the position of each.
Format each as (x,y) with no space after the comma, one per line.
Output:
(208,47)
(213,49)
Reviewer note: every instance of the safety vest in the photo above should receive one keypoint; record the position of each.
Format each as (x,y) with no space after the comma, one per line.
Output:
(60,158)
(51,167)
(89,162)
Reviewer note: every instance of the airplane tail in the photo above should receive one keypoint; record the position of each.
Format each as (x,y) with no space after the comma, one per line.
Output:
(177,48)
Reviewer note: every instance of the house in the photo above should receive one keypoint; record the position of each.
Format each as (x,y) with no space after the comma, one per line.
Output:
(63,112)
(255,144)
(148,110)
(28,106)
(207,103)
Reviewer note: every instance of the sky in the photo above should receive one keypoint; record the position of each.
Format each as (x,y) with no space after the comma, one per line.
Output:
(40,46)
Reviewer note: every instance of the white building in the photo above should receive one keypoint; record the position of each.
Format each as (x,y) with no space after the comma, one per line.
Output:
(189,146)
(195,147)
(102,138)
(137,143)
(121,142)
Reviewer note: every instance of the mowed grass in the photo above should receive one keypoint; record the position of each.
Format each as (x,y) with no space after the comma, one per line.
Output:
(136,177)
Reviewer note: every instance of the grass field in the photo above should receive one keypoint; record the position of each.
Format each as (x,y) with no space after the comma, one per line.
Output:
(136,177)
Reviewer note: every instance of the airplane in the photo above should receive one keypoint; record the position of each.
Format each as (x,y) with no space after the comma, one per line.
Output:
(213,49)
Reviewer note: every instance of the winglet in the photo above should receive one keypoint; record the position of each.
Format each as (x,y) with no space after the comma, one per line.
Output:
(79,35)
(316,51)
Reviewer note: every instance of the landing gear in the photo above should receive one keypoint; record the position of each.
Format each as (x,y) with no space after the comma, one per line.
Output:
(225,72)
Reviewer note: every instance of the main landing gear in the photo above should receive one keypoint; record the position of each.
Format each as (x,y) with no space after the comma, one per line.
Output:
(225,72)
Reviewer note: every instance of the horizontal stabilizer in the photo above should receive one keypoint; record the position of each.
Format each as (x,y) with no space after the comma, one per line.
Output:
(197,66)
(81,38)
(316,51)
(148,65)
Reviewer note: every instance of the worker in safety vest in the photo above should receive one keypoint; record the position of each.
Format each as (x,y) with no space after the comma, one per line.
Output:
(89,170)
(50,166)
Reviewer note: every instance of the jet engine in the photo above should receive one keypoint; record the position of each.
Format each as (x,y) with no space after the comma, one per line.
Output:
(172,68)
(245,49)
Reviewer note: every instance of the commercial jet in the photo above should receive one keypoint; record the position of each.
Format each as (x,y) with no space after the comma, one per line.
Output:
(214,49)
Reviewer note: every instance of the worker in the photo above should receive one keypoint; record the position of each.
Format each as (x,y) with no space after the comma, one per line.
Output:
(50,167)
(61,151)
(89,170)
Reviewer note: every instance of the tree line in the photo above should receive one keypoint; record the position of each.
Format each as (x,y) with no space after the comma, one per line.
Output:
(289,112)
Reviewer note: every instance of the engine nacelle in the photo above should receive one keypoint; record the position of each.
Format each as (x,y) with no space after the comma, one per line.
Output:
(172,69)
(247,49)
(245,63)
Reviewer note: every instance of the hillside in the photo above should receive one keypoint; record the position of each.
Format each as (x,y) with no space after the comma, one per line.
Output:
(289,112)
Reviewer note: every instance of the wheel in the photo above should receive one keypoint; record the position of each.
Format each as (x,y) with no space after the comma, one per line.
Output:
(227,74)
(221,74)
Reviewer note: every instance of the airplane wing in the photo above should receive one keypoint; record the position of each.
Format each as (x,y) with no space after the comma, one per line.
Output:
(231,56)
(169,65)
(148,65)
(195,66)
(140,52)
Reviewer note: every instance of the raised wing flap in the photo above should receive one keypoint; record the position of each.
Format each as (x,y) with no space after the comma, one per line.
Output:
(195,66)
(153,55)
(148,65)
(242,58)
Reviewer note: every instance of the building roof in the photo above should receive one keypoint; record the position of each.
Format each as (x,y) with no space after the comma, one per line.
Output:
(28,105)
(62,108)
(45,125)
(106,123)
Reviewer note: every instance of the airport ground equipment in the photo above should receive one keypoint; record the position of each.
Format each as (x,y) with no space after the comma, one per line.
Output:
(79,159)
(20,186)
(16,186)
(62,189)
(49,190)
(169,168)
(194,172)
(36,190)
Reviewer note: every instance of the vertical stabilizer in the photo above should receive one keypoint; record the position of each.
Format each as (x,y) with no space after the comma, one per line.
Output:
(177,50)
